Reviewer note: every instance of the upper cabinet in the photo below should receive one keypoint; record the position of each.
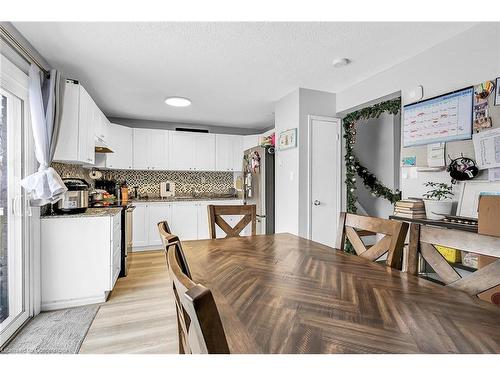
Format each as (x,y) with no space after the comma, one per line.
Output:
(76,141)
(120,141)
(229,153)
(101,126)
(192,151)
(151,149)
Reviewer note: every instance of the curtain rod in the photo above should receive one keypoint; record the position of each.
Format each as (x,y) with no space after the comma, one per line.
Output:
(23,52)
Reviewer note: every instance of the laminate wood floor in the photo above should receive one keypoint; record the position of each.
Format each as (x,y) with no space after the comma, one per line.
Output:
(139,316)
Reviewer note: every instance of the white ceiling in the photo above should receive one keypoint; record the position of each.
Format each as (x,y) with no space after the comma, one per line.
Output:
(233,72)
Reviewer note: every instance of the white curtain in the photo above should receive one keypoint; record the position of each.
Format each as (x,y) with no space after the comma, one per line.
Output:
(45,186)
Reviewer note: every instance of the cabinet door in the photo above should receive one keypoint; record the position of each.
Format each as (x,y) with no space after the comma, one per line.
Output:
(181,151)
(142,148)
(250,141)
(203,221)
(67,145)
(86,121)
(104,127)
(139,225)
(237,152)
(204,152)
(120,141)
(157,212)
(159,149)
(184,221)
(224,160)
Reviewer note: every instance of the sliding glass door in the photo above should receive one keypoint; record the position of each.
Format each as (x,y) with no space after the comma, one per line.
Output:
(14,259)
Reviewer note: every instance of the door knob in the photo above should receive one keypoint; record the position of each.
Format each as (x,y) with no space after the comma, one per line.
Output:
(317,202)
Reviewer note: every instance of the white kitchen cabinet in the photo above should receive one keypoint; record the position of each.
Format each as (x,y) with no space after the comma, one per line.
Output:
(229,153)
(140,230)
(184,222)
(237,152)
(120,141)
(141,149)
(203,231)
(101,125)
(76,142)
(158,158)
(146,216)
(192,151)
(204,152)
(187,220)
(182,151)
(157,211)
(84,271)
(151,149)
(250,141)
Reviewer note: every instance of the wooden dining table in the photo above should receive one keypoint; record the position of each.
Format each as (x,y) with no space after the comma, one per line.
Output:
(285,294)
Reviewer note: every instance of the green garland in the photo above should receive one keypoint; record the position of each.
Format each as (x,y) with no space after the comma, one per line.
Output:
(354,167)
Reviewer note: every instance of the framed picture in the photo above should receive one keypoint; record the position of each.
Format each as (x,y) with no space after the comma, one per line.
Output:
(287,139)
(468,202)
(497,91)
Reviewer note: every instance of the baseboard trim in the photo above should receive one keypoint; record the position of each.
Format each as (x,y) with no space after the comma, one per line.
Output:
(57,305)
(146,248)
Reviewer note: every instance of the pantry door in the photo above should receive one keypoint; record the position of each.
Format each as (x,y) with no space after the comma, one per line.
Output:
(324,190)
(15,280)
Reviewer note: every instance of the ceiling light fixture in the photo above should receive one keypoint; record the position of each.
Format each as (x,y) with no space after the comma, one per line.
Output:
(340,62)
(178,101)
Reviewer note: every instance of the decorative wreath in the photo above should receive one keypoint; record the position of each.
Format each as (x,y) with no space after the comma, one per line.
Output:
(354,167)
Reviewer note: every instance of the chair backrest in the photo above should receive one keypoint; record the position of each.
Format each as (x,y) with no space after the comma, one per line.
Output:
(356,226)
(422,240)
(199,324)
(215,214)
(165,233)
(167,239)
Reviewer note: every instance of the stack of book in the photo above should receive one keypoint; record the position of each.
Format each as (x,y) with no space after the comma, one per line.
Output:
(410,208)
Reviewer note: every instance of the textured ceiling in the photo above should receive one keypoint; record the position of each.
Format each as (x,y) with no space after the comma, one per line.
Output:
(233,72)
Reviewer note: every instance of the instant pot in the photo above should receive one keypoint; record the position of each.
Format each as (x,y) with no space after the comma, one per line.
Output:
(76,199)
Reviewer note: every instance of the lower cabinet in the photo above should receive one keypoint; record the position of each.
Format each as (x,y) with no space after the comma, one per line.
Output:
(187,220)
(80,259)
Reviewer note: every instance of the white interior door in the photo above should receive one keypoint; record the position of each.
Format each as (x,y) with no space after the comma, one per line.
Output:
(14,257)
(324,178)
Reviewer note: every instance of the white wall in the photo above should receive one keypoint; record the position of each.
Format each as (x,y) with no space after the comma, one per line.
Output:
(292,111)
(286,190)
(312,102)
(466,59)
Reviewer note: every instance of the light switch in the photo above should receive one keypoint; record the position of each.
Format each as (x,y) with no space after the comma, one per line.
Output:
(291,176)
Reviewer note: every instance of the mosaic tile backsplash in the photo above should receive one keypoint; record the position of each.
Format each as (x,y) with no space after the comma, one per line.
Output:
(149,181)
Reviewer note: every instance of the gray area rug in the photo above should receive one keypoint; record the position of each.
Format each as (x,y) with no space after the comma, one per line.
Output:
(54,332)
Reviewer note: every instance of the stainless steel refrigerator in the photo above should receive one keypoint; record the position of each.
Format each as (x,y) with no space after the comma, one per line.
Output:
(258,185)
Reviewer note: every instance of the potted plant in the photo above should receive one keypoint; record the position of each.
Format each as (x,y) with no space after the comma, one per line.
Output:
(438,201)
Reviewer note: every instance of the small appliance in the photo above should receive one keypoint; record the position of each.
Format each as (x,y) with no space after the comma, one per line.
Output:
(167,189)
(76,199)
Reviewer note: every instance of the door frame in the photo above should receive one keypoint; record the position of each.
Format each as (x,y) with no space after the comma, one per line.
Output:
(337,121)
(15,81)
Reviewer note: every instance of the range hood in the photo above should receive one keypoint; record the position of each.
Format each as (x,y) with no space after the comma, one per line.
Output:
(102,147)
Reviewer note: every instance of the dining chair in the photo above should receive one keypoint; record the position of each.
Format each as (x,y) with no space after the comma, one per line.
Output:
(165,233)
(422,241)
(167,239)
(215,214)
(199,325)
(353,227)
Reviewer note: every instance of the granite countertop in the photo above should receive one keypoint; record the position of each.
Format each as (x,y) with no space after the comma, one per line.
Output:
(183,199)
(91,212)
